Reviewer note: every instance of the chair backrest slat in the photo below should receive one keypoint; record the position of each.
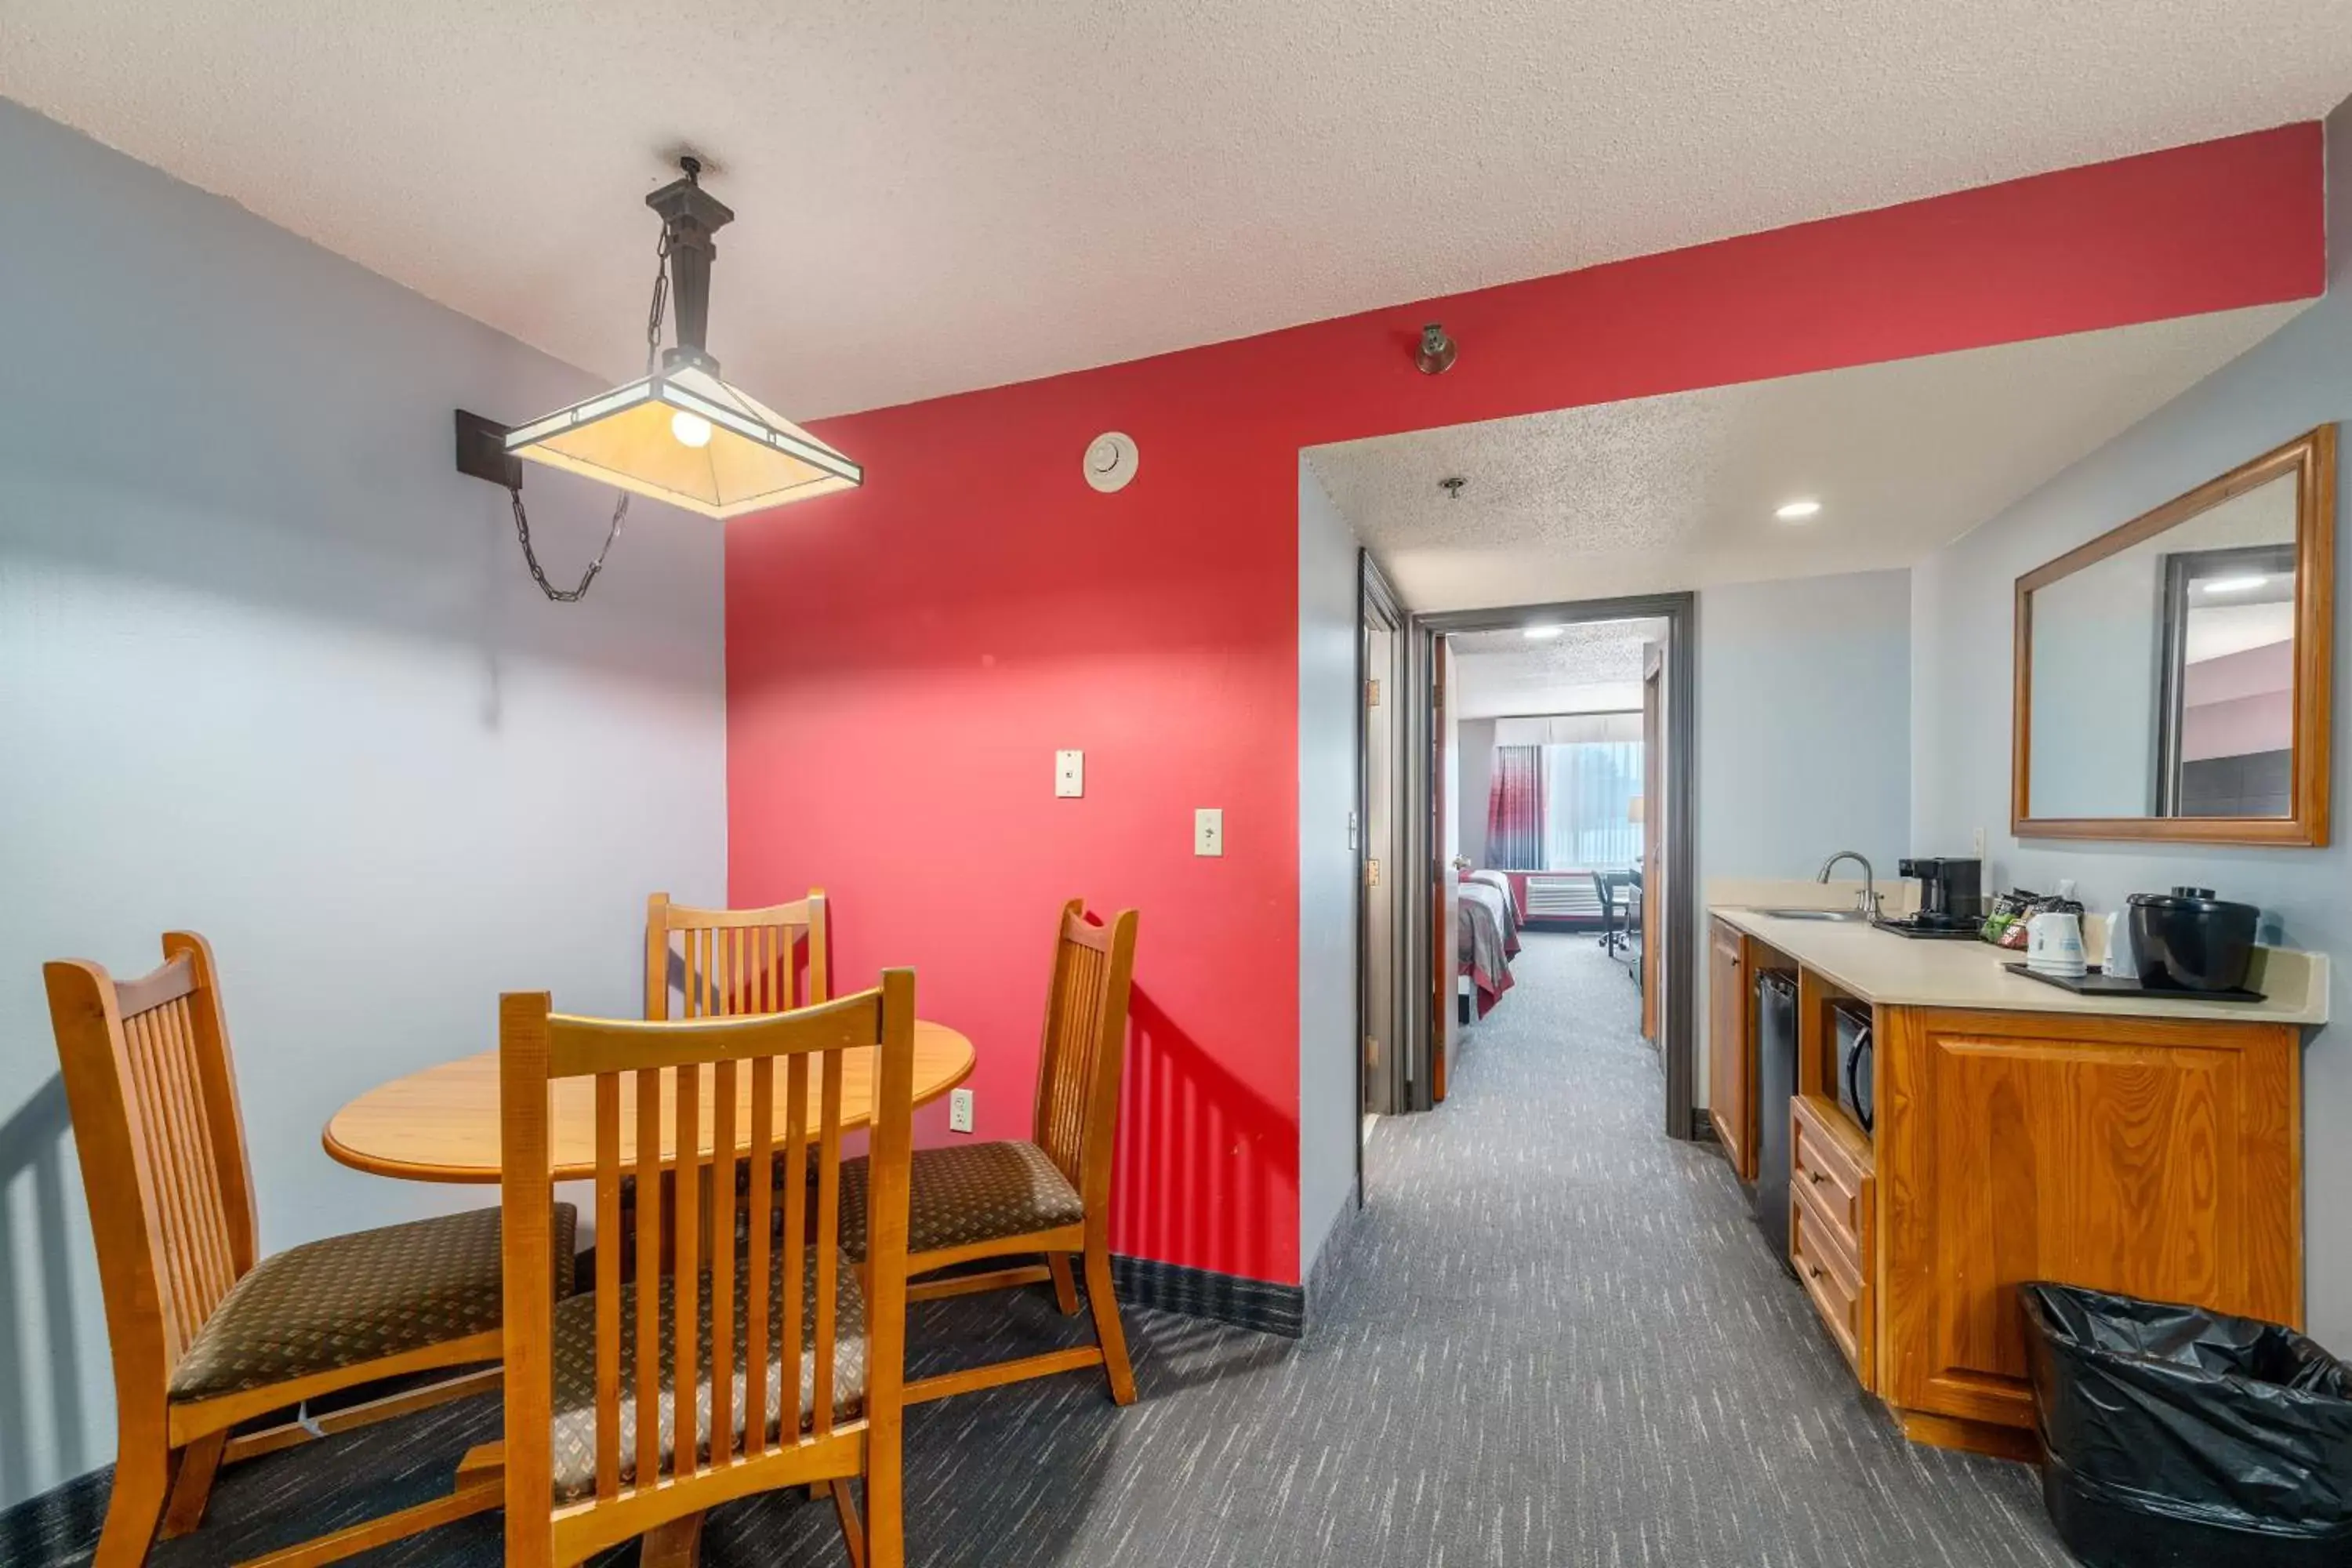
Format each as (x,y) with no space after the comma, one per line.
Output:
(793,1184)
(828,1233)
(685,1268)
(610,1245)
(161,1139)
(732,963)
(1079,1059)
(689,1081)
(722,1265)
(650,1264)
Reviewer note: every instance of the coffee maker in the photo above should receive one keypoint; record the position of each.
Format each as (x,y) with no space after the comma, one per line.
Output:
(1951,898)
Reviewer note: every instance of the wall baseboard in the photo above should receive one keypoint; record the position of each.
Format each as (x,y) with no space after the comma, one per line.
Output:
(1332,1261)
(1256,1304)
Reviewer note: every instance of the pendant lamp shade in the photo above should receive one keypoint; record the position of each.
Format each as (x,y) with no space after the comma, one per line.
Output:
(679,432)
(685,436)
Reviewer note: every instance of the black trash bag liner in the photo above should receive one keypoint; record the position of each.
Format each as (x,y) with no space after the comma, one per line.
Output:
(2176,1435)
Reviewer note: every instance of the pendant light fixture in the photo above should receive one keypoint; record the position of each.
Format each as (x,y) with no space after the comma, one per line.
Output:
(679,432)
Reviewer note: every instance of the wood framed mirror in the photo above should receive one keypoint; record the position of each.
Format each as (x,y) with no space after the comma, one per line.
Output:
(2173,675)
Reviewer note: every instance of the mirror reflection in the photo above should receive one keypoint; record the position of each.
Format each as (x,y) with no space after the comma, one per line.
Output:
(2162,675)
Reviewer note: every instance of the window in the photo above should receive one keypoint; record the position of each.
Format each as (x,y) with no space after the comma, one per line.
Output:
(1587,791)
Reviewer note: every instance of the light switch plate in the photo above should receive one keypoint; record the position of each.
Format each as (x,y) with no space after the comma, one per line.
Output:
(960,1111)
(1069,775)
(1209,830)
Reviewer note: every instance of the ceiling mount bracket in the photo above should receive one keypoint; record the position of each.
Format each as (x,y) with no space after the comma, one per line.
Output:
(482,452)
(691,216)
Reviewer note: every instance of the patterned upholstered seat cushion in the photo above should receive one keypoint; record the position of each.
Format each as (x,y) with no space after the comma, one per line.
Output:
(968,1192)
(335,1303)
(575,1369)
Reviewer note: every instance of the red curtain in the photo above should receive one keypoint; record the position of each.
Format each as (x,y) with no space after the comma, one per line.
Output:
(1515,810)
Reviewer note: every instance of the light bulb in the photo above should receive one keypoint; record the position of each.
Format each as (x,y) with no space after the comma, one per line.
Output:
(691,429)
(1798,510)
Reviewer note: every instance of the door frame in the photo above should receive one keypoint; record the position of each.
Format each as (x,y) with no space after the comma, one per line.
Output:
(1378,602)
(1679,918)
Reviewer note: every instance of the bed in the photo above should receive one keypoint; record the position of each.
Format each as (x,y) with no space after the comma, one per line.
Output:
(1488,936)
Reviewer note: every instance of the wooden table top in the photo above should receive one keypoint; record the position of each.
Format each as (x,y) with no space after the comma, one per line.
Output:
(442,1124)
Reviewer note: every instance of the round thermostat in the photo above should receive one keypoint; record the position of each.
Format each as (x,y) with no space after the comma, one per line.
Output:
(1111,460)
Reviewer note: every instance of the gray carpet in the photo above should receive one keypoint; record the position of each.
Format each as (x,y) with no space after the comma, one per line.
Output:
(1554,1339)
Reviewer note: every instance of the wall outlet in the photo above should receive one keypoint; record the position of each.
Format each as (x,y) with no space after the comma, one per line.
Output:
(1069,775)
(1209,830)
(960,1111)
(1976,844)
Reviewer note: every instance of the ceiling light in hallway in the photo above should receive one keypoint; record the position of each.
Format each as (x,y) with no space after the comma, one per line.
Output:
(1798,511)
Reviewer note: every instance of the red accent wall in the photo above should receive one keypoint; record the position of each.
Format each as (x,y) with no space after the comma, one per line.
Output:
(904,660)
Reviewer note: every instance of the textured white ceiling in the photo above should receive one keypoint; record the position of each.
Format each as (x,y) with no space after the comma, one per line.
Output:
(1676,492)
(1589,668)
(935,197)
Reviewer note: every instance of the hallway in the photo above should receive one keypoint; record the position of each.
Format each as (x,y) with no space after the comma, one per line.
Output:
(1554,1338)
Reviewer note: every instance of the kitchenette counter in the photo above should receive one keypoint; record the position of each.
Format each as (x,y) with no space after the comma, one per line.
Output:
(1894,971)
(1916,1160)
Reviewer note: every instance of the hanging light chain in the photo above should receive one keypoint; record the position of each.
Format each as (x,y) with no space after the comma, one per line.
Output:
(653,314)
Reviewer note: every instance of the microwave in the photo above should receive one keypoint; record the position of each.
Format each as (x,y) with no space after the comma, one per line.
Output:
(1852,1021)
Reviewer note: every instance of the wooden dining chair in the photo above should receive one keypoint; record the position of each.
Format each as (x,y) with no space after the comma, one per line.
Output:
(1049,1195)
(727,964)
(617,1423)
(208,1335)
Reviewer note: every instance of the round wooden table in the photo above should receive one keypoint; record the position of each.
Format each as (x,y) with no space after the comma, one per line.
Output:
(442,1124)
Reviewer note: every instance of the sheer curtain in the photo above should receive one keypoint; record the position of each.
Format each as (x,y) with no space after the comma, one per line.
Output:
(1587,772)
(1589,790)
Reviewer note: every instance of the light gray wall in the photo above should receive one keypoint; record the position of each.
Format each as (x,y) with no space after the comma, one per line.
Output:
(1804,718)
(1329,630)
(272,670)
(1961,690)
(1477,742)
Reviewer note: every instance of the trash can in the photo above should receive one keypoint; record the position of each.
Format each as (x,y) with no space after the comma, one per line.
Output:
(2179,1438)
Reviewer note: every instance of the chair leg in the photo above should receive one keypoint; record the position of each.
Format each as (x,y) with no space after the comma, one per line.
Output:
(1108,1327)
(886,1524)
(1066,1288)
(192,1487)
(142,1479)
(678,1544)
(853,1529)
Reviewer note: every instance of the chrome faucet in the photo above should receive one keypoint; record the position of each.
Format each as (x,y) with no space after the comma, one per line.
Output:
(1867,900)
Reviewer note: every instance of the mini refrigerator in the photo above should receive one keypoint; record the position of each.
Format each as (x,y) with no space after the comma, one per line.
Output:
(1776,1082)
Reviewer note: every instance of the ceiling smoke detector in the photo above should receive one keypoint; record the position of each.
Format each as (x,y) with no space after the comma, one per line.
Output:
(1111,460)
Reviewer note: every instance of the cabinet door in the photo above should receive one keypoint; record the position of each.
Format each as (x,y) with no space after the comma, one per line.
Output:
(2155,1158)
(1731,1076)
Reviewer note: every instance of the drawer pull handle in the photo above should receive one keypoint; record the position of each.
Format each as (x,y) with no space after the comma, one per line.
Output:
(1813,1270)
(1817,1177)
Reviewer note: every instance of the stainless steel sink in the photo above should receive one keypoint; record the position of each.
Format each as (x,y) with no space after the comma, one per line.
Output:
(1852,916)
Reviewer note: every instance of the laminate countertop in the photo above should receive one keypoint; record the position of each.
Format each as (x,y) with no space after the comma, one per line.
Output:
(1906,971)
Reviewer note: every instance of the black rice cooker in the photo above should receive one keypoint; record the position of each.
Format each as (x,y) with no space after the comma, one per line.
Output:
(2192,940)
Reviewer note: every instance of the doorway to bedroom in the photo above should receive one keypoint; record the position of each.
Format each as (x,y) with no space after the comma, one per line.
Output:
(1549,743)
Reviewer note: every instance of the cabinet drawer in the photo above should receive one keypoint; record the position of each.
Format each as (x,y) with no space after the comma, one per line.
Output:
(1832,1274)
(1833,1228)
(1823,1166)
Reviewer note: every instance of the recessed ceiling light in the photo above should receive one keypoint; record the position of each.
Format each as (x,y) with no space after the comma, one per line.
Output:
(2234,584)
(1798,510)
(1541,633)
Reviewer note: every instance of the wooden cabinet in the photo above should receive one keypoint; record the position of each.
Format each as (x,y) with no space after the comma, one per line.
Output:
(2155,1157)
(1833,1227)
(1730,1053)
